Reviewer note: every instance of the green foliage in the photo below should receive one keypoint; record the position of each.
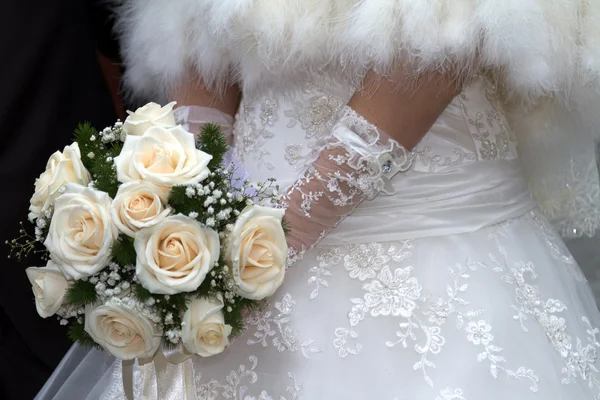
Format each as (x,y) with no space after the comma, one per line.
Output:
(78,335)
(97,155)
(181,203)
(175,304)
(184,204)
(123,251)
(83,136)
(211,140)
(205,288)
(81,293)
(241,307)
(105,177)
(141,293)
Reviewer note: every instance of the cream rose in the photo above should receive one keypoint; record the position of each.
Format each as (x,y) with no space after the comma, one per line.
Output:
(81,232)
(175,255)
(49,287)
(150,115)
(164,157)
(62,168)
(257,251)
(204,331)
(139,205)
(122,330)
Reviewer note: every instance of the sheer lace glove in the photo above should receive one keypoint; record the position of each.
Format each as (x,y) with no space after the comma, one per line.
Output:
(192,118)
(354,164)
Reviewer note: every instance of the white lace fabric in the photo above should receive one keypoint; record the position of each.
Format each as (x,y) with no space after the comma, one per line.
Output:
(355,163)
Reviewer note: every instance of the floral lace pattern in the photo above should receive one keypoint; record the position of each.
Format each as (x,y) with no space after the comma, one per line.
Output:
(251,137)
(488,126)
(277,328)
(396,292)
(355,164)
(451,394)
(305,121)
(237,385)
(322,271)
(427,159)
(316,116)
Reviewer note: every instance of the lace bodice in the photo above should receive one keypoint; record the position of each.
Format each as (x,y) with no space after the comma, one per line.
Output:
(275,135)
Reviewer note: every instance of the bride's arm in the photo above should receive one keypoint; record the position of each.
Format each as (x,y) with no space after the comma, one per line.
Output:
(369,145)
(197,105)
(402,107)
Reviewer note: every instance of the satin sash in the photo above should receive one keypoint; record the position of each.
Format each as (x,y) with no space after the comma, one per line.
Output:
(458,200)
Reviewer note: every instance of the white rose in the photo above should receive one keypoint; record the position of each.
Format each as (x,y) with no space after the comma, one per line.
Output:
(150,115)
(62,168)
(81,232)
(257,251)
(139,205)
(49,287)
(164,157)
(175,255)
(122,330)
(204,331)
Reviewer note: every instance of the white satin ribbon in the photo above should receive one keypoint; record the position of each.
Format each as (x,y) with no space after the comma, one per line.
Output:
(169,375)
(461,199)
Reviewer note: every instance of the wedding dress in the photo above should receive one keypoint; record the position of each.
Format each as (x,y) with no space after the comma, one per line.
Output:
(452,285)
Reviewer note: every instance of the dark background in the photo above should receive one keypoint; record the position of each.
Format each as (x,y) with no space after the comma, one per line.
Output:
(51,78)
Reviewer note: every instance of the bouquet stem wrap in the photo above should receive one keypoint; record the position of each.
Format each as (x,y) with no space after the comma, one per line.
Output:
(169,375)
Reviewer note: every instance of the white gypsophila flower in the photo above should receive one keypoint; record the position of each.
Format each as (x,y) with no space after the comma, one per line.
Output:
(41,223)
(190,191)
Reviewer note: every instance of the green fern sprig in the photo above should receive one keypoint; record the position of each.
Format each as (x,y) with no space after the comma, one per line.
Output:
(211,140)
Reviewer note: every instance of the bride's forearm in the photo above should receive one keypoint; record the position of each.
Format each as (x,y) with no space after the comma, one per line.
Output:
(405,107)
(195,93)
(198,105)
(369,145)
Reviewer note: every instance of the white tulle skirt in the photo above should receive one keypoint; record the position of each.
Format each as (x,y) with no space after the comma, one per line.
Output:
(500,313)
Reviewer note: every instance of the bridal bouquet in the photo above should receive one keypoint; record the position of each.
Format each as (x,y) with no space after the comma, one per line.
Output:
(150,237)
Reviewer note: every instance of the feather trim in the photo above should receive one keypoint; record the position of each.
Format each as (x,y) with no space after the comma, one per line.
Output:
(535,47)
